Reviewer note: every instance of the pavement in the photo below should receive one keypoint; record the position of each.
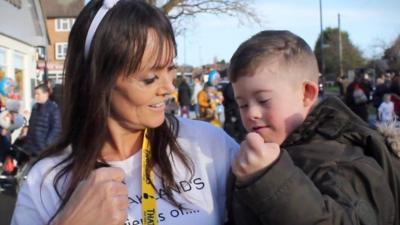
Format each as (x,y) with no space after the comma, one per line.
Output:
(7,203)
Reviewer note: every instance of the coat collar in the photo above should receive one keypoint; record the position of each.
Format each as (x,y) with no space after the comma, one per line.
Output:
(328,118)
(332,118)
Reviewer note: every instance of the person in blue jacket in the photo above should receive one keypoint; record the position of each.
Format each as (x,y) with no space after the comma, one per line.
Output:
(44,122)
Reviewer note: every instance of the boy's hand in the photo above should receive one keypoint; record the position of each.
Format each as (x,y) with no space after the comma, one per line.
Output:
(101,199)
(253,157)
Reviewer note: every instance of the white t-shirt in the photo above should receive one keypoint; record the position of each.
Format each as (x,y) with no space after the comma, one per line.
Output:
(203,197)
(386,111)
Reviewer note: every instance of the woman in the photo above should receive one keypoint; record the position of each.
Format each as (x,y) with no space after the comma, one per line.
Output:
(119,71)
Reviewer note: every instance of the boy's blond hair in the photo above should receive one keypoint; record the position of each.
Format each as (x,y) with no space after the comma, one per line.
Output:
(284,47)
(387,97)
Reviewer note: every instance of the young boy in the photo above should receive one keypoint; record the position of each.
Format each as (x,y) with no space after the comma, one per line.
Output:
(303,162)
(386,110)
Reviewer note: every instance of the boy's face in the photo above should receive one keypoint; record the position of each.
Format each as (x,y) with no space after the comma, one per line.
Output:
(270,104)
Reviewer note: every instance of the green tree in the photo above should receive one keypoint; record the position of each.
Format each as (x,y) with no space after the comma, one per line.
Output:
(392,55)
(351,56)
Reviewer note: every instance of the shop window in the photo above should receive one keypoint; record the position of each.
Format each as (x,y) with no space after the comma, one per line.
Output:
(61,50)
(18,76)
(64,24)
(18,61)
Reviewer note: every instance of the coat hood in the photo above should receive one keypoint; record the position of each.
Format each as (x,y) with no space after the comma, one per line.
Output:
(332,118)
(391,133)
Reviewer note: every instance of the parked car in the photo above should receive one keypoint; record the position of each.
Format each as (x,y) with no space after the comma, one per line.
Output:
(321,85)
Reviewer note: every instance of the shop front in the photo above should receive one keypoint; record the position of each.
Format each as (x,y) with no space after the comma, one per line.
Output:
(17,70)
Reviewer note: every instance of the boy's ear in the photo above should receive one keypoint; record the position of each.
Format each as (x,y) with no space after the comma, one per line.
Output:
(310,93)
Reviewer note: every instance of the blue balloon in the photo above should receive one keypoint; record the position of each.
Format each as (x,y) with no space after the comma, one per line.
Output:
(5,83)
(212,75)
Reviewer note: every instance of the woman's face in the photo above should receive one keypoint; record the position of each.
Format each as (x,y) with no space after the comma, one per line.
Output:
(138,100)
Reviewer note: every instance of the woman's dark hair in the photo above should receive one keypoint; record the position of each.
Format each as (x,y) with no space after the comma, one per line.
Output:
(117,48)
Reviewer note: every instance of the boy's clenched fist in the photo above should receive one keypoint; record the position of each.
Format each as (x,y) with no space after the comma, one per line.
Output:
(253,157)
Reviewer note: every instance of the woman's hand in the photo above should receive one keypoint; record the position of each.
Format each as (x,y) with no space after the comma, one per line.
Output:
(101,199)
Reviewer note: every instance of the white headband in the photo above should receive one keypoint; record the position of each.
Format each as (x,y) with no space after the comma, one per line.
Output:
(107,5)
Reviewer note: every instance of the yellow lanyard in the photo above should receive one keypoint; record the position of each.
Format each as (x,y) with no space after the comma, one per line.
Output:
(149,204)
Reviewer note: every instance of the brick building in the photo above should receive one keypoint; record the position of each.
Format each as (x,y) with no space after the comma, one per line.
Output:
(60,16)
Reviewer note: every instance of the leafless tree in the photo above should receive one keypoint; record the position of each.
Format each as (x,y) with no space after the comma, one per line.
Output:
(180,10)
(378,47)
(392,54)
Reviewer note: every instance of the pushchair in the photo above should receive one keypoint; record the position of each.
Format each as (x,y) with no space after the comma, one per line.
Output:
(14,169)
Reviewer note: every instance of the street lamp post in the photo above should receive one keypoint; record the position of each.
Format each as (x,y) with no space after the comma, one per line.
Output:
(322,40)
(44,58)
(340,48)
(46,71)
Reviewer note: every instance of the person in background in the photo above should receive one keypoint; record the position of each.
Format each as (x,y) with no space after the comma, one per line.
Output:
(44,122)
(357,97)
(10,121)
(171,106)
(119,71)
(386,110)
(205,104)
(367,84)
(5,139)
(216,98)
(197,87)
(233,123)
(395,84)
(304,162)
(380,90)
(343,82)
(184,97)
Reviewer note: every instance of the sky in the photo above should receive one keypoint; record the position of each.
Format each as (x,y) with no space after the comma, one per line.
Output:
(370,24)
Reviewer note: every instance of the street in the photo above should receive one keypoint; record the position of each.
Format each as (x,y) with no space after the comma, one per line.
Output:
(7,203)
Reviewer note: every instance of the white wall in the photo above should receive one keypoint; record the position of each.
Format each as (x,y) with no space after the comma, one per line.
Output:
(26,23)
(13,47)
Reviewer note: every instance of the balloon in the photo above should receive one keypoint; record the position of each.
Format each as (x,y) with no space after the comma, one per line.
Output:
(213,77)
(13,105)
(18,122)
(5,119)
(6,86)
